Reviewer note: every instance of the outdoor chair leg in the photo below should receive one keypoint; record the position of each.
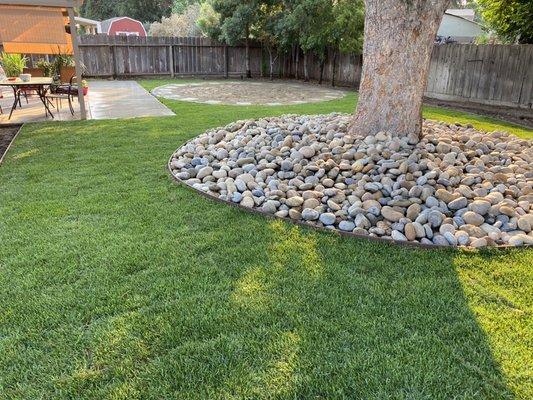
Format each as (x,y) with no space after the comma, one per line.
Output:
(17,100)
(70,106)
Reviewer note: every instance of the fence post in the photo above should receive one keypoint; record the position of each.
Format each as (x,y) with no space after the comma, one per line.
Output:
(171,60)
(114,53)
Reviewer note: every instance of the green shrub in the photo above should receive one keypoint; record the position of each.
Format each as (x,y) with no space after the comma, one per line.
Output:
(13,64)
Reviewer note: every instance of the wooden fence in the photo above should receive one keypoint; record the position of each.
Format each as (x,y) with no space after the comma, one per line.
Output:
(129,56)
(491,74)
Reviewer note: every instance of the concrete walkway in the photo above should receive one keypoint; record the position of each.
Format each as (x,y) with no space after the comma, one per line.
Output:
(106,100)
(123,99)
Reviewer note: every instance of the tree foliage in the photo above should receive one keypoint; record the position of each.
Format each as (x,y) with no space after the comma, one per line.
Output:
(209,20)
(143,10)
(312,25)
(511,19)
(182,24)
(236,18)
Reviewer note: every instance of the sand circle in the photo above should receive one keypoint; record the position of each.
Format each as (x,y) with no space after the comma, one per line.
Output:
(248,93)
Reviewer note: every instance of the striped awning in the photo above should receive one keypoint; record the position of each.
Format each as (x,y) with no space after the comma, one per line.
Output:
(34,30)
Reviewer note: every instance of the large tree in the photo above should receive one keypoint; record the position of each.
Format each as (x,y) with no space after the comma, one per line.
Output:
(399,36)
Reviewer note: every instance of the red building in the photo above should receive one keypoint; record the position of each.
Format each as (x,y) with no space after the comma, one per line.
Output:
(122,26)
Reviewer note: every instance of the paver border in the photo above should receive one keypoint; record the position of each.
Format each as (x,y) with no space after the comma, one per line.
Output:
(190,99)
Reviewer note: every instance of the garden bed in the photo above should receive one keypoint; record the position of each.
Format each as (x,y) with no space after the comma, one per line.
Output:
(7,135)
(456,187)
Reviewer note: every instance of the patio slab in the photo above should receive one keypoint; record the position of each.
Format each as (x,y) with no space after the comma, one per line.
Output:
(123,99)
(106,100)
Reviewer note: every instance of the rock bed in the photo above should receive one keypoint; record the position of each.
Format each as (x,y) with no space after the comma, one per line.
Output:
(456,187)
(248,93)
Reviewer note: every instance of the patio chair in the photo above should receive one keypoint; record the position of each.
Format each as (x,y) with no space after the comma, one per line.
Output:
(67,92)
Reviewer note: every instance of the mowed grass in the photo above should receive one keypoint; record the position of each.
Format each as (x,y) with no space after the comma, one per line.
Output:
(119,284)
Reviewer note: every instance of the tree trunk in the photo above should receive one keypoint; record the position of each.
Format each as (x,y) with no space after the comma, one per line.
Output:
(247,56)
(271,63)
(322,63)
(333,69)
(297,62)
(306,71)
(399,36)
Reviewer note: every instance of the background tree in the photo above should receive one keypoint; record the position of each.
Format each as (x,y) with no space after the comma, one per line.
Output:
(398,42)
(267,30)
(182,24)
(236,21)
(143,10)
(346,33)
(179,6)
(99,9)
(511,19)
(313,19)
(209,21)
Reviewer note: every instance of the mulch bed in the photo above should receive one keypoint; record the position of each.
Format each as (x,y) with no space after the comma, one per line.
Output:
(7,134)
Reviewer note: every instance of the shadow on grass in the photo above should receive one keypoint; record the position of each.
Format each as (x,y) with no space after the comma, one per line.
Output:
(316,316)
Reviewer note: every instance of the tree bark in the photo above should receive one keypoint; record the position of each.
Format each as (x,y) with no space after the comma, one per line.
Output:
(247,56)
(333,69)
(271,61)
(306,71)
(297,62)
(322,63)
(399,37)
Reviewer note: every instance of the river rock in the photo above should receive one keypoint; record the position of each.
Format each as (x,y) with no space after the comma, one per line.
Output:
(456,186)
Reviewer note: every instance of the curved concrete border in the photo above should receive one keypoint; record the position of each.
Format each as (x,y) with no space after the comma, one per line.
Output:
(409,244)
(311,93)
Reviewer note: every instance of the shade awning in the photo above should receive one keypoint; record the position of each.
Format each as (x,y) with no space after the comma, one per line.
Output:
(34,30)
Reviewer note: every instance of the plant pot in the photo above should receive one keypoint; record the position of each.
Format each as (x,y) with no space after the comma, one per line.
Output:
(67,73)
(12,78)
(85,90)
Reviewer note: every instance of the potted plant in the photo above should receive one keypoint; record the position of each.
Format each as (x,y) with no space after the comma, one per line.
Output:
(63,65)
(45,66)
(85,87)
(13,64)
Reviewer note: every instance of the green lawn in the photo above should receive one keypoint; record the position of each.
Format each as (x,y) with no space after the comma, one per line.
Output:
(118,284)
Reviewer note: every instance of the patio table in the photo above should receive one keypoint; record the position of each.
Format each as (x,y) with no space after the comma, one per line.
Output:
(41,85)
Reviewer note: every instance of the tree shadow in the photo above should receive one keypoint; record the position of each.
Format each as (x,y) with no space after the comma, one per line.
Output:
(380,322)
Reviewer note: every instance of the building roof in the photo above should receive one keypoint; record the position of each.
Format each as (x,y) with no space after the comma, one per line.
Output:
(106,24)
(86,21)
(466,13)
(463,18)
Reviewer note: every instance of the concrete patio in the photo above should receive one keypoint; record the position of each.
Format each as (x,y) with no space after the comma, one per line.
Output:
(105,100)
